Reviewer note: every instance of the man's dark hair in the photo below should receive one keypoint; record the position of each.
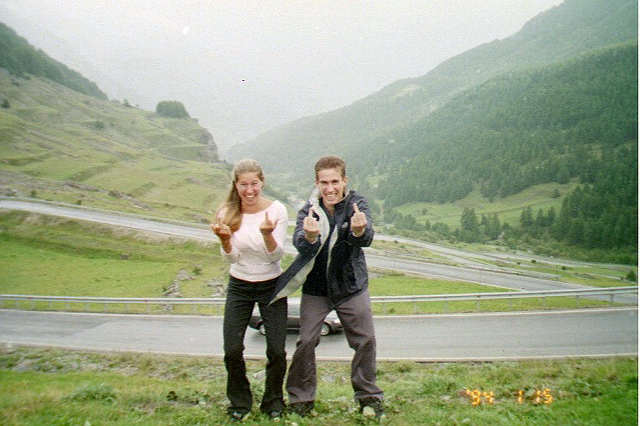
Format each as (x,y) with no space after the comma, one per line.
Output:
(331,162)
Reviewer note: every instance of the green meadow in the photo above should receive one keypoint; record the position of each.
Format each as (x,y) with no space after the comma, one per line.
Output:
(44,255)
(508,208)
(58,387)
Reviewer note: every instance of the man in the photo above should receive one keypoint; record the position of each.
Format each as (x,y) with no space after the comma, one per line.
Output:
(331,229)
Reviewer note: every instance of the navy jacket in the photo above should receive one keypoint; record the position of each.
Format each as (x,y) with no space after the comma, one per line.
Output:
(347,267)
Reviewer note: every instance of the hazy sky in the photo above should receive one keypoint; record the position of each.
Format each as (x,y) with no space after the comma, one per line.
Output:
(244,66)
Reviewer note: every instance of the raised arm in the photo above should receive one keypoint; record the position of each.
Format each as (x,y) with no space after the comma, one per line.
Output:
(361,224)
(306,236)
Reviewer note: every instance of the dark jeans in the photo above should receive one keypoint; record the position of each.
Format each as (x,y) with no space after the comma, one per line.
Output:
(241,297)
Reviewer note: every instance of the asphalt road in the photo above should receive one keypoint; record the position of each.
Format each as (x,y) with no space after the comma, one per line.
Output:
(460,337)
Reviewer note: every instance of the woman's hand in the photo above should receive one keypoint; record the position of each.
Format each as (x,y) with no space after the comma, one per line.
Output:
(222,231)
(266,229)
(267,226)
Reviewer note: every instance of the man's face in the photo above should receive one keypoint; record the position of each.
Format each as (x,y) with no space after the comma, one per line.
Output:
(331,185)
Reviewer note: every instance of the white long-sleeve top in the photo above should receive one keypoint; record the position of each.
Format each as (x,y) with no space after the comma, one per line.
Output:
(249,258)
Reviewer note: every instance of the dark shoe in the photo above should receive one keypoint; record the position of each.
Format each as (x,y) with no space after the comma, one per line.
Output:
(372,407)
(275,414)
(300,408)
(238,415)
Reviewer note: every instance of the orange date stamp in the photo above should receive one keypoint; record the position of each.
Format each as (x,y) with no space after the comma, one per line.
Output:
(479,397)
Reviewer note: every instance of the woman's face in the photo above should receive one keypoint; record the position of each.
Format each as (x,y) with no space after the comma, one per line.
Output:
(249,187)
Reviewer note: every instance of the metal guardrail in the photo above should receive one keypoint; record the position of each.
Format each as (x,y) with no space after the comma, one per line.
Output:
(168,303)
(610,291)
(477,297)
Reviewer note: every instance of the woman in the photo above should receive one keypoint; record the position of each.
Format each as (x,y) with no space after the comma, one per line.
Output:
(252,231)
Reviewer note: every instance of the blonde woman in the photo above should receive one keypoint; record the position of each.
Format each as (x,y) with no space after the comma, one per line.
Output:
(252,231)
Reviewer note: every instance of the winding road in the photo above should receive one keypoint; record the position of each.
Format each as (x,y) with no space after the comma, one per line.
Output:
(462,337)
(478,274)
(488,336)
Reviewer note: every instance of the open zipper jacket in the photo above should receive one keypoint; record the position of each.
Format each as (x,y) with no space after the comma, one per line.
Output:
(346,265)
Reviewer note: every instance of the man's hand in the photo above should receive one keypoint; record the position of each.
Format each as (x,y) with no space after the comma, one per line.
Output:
(311,227)
(358,221)
(267,226)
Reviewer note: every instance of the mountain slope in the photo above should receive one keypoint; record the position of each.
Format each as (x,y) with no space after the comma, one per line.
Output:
(61,143)
(575,121)
(565,31)
(20,59)
(513,131)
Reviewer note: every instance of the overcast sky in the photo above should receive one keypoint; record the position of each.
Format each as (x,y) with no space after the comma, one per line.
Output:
(244,66)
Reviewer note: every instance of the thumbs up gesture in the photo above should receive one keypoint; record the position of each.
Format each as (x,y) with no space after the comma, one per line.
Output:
(267,226)
(311,227)
(358,221)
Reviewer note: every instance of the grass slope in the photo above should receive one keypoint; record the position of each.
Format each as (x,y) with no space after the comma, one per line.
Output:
(52,256)
(56,387)
(58,144)
(60,257)
(508,208)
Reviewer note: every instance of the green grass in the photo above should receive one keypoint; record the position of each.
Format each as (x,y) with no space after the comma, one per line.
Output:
(396,248)
(57,387)
(507,208)
(50,139)
(504,305)
(51,256)
(401,284)
(590,275)
(397,284)
(593,274)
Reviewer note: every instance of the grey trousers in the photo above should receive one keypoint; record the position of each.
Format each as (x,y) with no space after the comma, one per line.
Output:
(356,318)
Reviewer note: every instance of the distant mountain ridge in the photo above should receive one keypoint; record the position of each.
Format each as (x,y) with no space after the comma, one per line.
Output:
(20,59)
(563,32)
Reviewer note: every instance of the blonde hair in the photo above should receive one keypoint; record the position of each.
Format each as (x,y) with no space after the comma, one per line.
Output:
(230,212)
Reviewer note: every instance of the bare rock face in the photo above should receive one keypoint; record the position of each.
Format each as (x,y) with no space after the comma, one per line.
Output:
(218,288)
(183,275)
(206,138)
(173,290)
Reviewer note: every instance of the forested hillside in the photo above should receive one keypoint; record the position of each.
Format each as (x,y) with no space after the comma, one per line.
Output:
(19,58)
(514,131)
(572,121)
(574,27)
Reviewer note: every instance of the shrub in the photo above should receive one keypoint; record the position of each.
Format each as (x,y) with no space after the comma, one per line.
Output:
(92,392)
(172,109)
(631,276)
